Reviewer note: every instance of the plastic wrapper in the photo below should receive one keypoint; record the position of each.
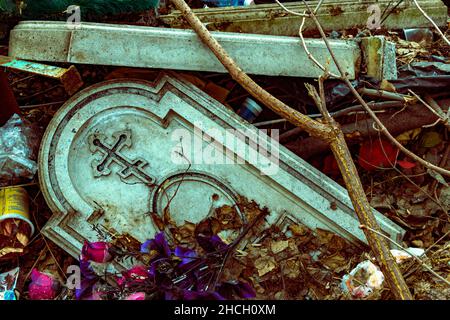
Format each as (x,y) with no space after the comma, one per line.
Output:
(18,151)
(363,280)
(401,256)
(426,77)
(8,282)
(421,77)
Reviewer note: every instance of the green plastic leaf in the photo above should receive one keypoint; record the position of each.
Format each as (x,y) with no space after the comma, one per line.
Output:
(438,177)
(431,139)
(444,197)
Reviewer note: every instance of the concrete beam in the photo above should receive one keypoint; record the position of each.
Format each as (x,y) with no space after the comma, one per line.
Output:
(135,46)
(333,15)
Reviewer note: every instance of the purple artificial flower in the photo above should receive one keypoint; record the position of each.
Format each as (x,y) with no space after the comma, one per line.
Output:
(187,255)
(86,270)
(96,251)
(158,244)
(86,290)
(43,286)
(89,279)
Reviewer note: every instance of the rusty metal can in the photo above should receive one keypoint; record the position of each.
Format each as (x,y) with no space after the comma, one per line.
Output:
(14,204)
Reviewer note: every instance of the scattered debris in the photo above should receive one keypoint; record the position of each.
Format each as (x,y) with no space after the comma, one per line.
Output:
(19,142)
(403,255)
(363,280)
(8,281)
(250,110)
(122,193)
(422,36)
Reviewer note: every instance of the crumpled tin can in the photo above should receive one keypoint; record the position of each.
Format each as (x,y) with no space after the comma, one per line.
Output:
(250,110)
(15,225)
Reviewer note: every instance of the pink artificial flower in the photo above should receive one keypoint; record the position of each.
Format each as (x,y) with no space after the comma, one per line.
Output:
(135,274)
(136,296)
(43,286)
(96,252)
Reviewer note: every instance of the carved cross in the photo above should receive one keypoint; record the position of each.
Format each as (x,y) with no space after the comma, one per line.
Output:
(113,153)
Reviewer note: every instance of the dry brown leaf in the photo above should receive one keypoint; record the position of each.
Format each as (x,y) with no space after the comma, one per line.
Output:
(265,264)
(335,262)
(298,230)
(417,243)
(324,236)
(382,201)
(291,268)
(279,246)
(5,251)
(23,238)
(387,86)
(444,197)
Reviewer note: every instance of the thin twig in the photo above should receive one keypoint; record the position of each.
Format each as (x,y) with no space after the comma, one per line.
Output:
(297,13)
(236,242)
(35,263)
(390,12)
(45,240)
(41,105)
(308,53)
(383,94)
(432,22)
(300,33)
(376,106)
(290,11)
(436,110)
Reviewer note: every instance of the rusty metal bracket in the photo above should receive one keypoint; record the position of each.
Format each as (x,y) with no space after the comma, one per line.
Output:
(69,78)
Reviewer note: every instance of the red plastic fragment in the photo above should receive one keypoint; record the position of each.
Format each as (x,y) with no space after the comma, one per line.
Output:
(406,164)
(377,154)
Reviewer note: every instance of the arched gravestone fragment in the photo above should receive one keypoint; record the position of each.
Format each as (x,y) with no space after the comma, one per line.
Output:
(119,150)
